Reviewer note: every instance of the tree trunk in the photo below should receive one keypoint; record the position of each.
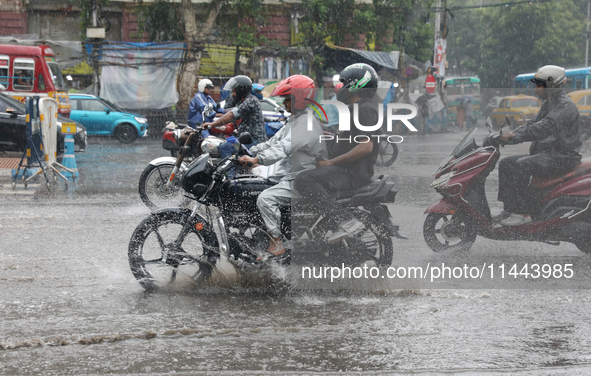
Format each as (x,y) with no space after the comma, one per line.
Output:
(195,42)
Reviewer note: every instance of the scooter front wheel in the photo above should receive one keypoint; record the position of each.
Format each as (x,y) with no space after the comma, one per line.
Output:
(154,190)
(444,232)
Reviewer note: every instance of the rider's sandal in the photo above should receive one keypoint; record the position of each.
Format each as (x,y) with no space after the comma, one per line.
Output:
(271,256)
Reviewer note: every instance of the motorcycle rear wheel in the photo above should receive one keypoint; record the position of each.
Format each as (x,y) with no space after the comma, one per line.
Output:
(387,154)
(375,239)
(444,232)
(372,244)
(157,262)
(153,190)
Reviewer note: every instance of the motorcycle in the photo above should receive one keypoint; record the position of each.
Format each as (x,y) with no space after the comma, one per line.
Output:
(387,153)
(561,213)
(179,246)
(158,185)
(175,135)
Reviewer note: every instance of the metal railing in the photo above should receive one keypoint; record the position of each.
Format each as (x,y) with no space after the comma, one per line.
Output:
(157,119)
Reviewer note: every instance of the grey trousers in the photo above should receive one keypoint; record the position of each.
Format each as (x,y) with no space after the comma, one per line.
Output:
(269,202)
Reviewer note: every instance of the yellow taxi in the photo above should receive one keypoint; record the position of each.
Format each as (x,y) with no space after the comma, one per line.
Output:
(520,109)
(582,99)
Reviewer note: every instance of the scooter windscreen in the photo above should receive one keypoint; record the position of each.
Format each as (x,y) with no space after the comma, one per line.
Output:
(466,145)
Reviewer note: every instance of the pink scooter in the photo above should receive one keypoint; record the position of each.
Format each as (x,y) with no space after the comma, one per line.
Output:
(563,202)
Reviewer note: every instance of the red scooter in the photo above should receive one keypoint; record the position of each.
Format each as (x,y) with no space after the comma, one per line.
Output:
(563,202)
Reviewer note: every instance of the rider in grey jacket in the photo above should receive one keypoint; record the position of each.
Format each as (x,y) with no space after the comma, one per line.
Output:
(555,133)
(292,150)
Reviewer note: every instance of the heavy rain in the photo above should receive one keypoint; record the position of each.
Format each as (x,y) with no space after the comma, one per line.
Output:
(96,279)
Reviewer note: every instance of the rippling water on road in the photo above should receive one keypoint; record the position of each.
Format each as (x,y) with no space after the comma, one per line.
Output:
(70,305)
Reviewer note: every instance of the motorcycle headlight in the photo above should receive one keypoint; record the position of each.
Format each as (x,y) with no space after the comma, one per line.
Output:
(141,120)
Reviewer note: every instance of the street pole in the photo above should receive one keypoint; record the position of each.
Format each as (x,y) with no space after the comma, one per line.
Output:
(587,36)
(440,84)
(437,26)
(94,57)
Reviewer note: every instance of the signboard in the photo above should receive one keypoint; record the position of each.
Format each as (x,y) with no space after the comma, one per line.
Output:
(439,55)
(430,84)
(68,128)
(95,32)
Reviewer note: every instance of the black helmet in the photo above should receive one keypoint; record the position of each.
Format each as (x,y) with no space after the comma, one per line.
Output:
(242,85)
(360,79)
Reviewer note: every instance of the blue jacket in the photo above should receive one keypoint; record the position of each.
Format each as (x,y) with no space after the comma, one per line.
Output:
(390,97)
(332,112)
(198,103)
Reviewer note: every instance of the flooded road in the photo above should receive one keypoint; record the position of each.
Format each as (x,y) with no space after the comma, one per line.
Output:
(70,305)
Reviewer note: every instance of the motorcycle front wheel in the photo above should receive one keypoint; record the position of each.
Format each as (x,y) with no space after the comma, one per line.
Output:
(163,253)
(387,154)
(448,232)
(154,191)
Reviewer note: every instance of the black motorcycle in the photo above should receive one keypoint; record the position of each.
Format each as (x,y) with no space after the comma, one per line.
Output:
(179,246)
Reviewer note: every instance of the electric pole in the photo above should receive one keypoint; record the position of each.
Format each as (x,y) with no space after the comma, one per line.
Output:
(587,36)
(437,28)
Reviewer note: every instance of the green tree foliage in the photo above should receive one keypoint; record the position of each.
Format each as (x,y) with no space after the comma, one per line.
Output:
(409,23)
(331,21)
(342,22)
(160,21)
(239,21)
(500,43)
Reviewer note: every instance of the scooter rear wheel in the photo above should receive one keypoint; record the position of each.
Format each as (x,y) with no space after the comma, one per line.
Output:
(584,245)
(448,232)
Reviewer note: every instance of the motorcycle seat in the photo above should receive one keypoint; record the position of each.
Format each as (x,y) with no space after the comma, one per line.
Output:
(581,169)
(367,190)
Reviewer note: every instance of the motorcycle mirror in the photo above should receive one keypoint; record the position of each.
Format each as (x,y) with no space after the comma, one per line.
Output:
(245,138)
(489,125)
(506,122)
(208,110)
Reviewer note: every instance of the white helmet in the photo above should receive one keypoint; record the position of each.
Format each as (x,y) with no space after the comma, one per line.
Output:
(550,76)
(204,83)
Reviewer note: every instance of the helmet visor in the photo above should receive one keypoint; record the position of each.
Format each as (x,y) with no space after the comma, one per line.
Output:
(230,85)
(538,82)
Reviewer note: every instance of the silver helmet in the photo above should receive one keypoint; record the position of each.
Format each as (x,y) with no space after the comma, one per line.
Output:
(550,76)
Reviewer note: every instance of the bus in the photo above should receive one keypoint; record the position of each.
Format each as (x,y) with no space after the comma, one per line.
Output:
(32,70)
(458,88)
(576,79)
